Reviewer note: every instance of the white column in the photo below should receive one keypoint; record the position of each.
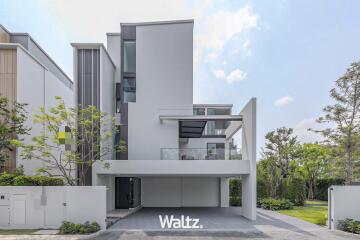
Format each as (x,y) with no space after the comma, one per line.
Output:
(249,153)
(224,192)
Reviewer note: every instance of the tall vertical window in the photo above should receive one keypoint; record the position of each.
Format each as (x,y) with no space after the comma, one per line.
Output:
(129,87)
(129,56)
(118,98)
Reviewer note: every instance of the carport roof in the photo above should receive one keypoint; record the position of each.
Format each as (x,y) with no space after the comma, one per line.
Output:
(191,126)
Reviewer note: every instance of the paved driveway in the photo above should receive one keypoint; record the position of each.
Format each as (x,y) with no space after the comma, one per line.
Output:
(219,223)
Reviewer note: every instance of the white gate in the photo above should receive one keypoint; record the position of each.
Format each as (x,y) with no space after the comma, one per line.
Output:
(53,199)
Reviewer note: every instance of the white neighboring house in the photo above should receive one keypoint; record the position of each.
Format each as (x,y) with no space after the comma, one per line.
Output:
(29,75)
(179,154)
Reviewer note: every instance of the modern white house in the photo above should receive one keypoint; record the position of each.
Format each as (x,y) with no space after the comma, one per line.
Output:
(179,154)
(29,75)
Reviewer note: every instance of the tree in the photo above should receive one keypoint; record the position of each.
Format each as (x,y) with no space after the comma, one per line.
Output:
(281,151)
(314,164)
(282,148)
(12,125)
(73,138)
(268,173)
(345,115)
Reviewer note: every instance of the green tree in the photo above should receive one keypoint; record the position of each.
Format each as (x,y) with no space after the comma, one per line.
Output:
(281,151)
(314,164)
(73,138)
(344,114)
(282,148)
(12,125)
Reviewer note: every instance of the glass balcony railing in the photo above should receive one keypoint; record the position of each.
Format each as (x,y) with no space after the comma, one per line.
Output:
(200,154)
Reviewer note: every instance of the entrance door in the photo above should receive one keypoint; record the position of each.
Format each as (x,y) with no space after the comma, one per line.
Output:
(122,192)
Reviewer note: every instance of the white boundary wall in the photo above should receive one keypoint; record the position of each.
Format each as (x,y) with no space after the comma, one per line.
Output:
(344,202)
(32,207)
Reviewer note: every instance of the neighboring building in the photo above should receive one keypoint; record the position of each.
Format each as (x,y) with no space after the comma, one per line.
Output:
(29,75)
(179,154)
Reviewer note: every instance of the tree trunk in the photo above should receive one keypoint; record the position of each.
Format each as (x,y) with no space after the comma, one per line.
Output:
(311,190)
(349,160)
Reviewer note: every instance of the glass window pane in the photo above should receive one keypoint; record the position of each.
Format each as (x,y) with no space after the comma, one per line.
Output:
(129,56)
(199,111)
(129,84)
(129,97)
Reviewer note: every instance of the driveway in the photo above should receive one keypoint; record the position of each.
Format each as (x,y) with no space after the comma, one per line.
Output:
(219,223)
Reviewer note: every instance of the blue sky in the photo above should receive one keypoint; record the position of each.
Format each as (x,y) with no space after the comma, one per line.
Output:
(286,53)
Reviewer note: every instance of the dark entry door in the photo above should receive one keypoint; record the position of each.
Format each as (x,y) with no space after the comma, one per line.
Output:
(122,192)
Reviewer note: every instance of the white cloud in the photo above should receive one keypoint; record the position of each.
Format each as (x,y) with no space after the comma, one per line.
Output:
(301,130)
(220,74)
(283,101)
(234,76)
(224,25)
(246,48)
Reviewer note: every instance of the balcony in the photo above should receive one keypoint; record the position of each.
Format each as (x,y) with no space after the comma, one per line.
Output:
(200,154)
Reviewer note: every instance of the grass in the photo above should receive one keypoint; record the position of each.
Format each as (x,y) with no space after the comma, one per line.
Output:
(17,231)
(313,211)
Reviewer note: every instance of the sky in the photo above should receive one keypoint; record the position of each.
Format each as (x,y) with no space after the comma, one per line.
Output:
(287,54)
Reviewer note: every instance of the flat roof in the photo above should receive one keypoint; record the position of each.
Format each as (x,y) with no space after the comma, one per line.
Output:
(92,46)
(113,34)
(201,117)
(158,22)
(43,51)
(217,105)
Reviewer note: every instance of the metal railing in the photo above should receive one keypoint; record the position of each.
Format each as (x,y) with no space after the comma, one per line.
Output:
(200,154)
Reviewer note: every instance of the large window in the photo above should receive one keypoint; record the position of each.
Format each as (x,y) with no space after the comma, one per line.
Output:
(129,56)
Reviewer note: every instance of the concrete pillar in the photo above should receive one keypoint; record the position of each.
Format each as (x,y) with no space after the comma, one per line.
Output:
(224,192)
(249,153)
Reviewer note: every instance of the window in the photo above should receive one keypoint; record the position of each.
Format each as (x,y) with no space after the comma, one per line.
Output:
(199,111)
(129,87)
(216,151)
(118,98)
(129,56)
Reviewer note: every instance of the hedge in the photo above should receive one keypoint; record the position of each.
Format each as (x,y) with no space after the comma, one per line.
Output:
(322,185)
(349,225)
(235,191)
(276,204)
(77,228)
(296,191)
(7,179)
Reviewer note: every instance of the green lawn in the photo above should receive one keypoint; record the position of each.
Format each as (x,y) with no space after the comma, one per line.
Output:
(313,211)
(17,231)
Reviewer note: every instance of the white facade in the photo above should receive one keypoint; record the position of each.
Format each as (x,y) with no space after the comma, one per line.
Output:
(38,80)
(37,86)
(153,126)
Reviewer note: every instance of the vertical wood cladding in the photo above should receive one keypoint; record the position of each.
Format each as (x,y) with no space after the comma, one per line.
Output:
(8,90)
(88,88)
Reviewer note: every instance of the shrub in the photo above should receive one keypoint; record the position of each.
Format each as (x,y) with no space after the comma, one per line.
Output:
(263,189)
(7,179)
(37,181)
(276,204)
(235,201)
(322,185)
(235,191)
(77,228)
(349,225)
(296,191)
